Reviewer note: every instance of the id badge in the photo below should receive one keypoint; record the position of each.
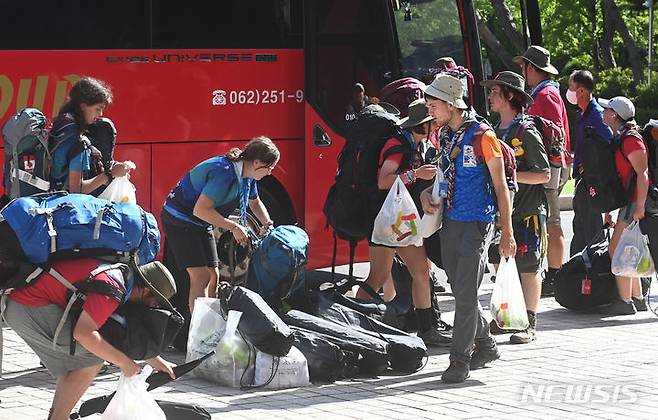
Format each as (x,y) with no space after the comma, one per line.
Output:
(443,189)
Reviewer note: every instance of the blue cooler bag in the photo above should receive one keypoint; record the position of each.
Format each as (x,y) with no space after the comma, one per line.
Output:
(278,266)
(61,225)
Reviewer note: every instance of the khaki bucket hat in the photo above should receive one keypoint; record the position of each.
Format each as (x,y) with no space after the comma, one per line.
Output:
(540,57)
(159,280)
(512,80)
(449,89)
(416,114)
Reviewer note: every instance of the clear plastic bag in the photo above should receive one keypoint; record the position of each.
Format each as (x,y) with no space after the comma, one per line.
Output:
(430,223)
(132,401)
(632,257)
(397,223)
(289,371)
(233,356)
(120,190)
(507,304)
(206,329)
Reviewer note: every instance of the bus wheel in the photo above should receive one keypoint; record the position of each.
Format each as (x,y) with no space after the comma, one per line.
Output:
(277,201)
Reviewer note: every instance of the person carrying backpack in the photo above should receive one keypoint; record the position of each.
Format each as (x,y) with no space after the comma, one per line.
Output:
(547,103)
(34,313)
(204,198)
(404,157)
(631,161)
(74,167)
(507,97)
(476,190)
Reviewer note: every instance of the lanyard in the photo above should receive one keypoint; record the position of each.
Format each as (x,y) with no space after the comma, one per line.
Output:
(517,120)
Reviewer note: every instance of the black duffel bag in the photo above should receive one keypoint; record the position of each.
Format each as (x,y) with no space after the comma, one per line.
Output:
(259,324)
(141,332)
(586,280)
(326,361)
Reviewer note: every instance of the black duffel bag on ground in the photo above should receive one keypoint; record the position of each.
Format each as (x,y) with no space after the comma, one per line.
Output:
(326,361)
(586,280)
(141,332)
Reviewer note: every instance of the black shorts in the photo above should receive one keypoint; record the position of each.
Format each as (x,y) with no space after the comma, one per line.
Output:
(192,245)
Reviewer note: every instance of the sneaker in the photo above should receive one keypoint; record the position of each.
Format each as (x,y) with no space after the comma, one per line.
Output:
(433,338)
(435,285)
(640,304)
(456,372)
(529,334)
(483,355)
(496,330)
(619,307)
(443,327)
(548,285)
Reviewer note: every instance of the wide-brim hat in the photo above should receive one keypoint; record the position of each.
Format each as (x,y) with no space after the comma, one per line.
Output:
(416,114)
(448,89)
(159,280)
(512,80)
(540,57)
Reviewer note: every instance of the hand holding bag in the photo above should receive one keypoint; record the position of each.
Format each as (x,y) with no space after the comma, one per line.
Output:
(632,257)
(397,223)
(430,223)
(132,401)
(120,190)
(507,304)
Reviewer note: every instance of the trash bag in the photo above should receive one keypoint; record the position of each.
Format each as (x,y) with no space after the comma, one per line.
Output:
(131,400)
(326,361)
(289,371)
(431,223)
(120,190)
(398,221)
(206,328)
(373,350)
(406,352)
(260,325)
(233,356)
(632,257)
(507,304)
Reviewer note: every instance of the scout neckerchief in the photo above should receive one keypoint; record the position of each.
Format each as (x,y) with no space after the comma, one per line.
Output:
(548,82)
(514,123)
(450,149)
(243,185)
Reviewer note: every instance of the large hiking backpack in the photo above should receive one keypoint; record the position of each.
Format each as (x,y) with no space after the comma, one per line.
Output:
(552,135)
(27,159)
(62,225)
(606,190)
(102,135)
(400,93)
(278,266)
(350,199)
(650,137)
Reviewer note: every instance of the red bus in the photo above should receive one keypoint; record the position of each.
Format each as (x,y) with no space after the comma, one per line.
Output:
(192,79)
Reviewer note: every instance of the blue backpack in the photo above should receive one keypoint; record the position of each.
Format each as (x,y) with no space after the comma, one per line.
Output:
(278,266)
(60,225)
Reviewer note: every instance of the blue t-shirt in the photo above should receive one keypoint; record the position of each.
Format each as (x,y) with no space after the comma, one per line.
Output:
(592,117)
(217,178)
(64,135)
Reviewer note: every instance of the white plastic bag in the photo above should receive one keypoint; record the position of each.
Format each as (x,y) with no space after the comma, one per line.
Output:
(507,304)
(290,371)
(397,223)
(206,329)
(430,223)
(120,190)
(233,358)
(132,401)
(632,257)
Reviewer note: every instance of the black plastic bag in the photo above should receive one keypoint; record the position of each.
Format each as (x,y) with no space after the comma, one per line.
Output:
(373,351)
(259,324)
(141,332)
(406,352)
(326,361)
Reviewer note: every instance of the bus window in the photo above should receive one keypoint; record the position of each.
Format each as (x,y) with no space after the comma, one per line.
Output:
(348,41)
(74,25)
(227,24)
(426,31)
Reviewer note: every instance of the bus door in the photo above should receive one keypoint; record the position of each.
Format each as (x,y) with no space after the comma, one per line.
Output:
(346,42)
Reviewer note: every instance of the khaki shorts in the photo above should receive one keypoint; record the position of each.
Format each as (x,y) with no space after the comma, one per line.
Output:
(553,199)
(36,326)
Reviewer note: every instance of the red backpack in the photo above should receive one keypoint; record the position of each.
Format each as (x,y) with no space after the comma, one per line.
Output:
(551,134)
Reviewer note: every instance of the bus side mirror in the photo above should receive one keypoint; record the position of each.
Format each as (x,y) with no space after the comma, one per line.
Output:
(320,137)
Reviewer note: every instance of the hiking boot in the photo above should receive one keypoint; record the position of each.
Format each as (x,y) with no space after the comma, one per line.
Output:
(483,355)
(640,304)
(457,372)
(496,330)
(619,307)
(548,285)
(529,334)
(433,338)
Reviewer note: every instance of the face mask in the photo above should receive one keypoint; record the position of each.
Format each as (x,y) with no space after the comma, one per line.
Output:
(571,97)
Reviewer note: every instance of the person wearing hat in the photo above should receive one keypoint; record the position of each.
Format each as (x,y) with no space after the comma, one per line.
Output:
(403,156)
(587,221)
(472,160)
(508,98)
(537,69)
(631,161)
(34,313)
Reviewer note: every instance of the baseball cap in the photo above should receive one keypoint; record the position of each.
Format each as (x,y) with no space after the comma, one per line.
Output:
(621,105)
